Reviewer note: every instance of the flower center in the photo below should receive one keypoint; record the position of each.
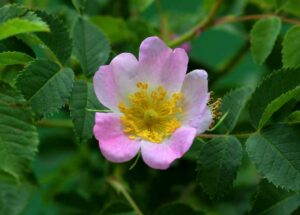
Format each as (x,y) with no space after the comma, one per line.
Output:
(151,115)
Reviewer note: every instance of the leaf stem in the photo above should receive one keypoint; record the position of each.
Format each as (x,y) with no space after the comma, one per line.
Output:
(209,136)
(120,188)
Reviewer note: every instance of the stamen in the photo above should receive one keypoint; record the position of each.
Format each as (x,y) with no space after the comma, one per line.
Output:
(151,115)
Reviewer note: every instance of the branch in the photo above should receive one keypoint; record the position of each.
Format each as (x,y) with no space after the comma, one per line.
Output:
(209,20)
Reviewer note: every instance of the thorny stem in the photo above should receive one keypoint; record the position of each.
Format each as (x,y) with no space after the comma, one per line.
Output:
(120,188)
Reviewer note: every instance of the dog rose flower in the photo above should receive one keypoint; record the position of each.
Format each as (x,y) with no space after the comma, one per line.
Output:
(156,107)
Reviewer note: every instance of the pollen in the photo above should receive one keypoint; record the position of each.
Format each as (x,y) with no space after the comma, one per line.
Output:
(152,115)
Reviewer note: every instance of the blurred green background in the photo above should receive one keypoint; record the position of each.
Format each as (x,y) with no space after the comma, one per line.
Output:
(72,177)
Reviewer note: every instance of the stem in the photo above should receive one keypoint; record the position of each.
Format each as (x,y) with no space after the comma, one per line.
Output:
(120,188)
(54,123)
(201,25)
(231,19)
(209,136)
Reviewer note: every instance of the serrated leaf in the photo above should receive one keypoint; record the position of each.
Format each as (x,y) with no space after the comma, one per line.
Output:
(12,58)
(276,90)
(176,209)
(91,47)
(83,97)
(45,85)
(263,36)
(232,104)
(26,24)
(218,164)
(58,39)
(18,137)
(275,151)
(291,47)
(11,11)
(13,197)
(274,201)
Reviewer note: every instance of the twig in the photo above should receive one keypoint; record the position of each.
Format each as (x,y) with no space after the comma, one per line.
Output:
(209,20)
(120,188)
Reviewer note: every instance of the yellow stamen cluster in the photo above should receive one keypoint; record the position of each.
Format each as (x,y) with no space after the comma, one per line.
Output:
(214,106)
(152,114)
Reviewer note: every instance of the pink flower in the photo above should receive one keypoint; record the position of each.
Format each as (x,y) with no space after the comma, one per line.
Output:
(156,108)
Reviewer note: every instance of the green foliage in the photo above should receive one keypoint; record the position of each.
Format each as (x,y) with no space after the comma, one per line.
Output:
(11,58)
(218,164)
(276,151)
(58,39)
(49,52)
(276,90)
(176,209)
(83,97)
(263,36)
(115,28)
(13,197)
(79,5)
(274,201)
(291,46)
(90,46)
(232,104)
(18,137)
(28,23)
(45,85)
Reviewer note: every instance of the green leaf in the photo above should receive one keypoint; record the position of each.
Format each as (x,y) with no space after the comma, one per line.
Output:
(232,104)
(176,209)
(276,90)
(291,47)
(115,28)
(294,117)
(13,197)
(274,201)
(90,46)
(141,5)
(11,11)
(83,97)
(217,165)
(275,151)
(45,85)
(263,36)
(28,23)
(58,39)
(12,58)
(18,137)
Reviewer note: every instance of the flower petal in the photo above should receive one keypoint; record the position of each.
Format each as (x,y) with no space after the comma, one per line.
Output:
(196,96)
(160,65)
(114,144)
(114,82)
(160,156)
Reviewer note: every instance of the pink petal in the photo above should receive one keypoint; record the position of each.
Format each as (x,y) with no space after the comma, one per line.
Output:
(196,96)
(160,156)
(114,82)
(160,65)
(114,144)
